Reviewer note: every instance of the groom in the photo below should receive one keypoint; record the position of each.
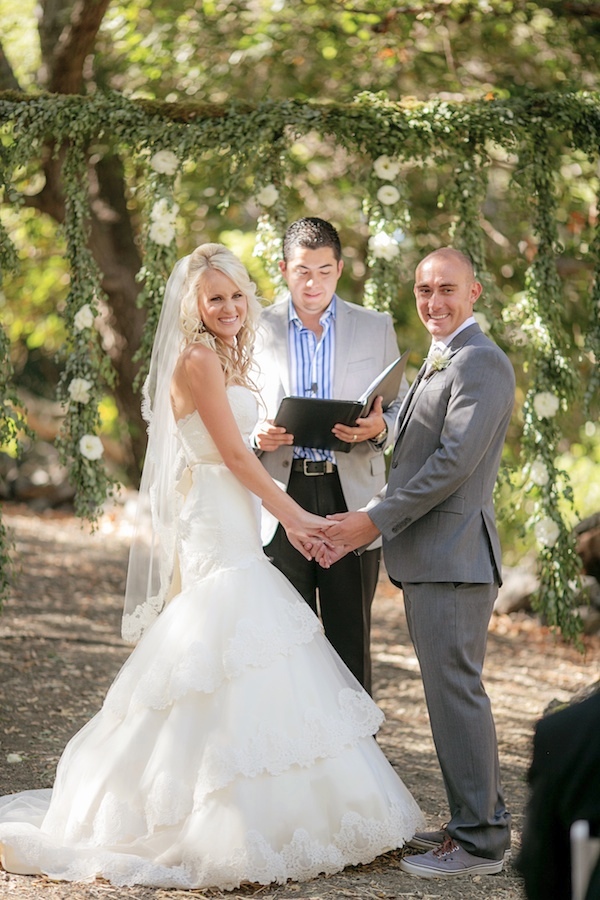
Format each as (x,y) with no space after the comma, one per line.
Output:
(441,548)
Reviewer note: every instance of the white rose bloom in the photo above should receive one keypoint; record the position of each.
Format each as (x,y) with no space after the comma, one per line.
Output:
(91,447)
(387,168)
(268,195)
(162,231)
(164,162)
(546,532)
(84,317)
(388,195)
(382,246)
(79,390)
(539,473)
(545,405)
(162,209)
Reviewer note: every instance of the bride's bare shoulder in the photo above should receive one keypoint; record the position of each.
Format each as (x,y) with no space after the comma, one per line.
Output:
(195,358)
(196,365)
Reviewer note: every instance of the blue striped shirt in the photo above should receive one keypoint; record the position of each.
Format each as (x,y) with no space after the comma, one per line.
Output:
(311,365)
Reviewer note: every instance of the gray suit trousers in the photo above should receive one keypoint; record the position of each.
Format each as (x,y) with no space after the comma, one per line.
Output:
(448,626)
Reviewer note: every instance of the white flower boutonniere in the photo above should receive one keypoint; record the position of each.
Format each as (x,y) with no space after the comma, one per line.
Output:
(437,359)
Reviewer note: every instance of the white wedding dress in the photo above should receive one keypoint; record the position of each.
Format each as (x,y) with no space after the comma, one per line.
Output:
(233,746)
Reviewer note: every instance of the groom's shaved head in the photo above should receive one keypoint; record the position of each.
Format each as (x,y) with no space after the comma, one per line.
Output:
(451,253)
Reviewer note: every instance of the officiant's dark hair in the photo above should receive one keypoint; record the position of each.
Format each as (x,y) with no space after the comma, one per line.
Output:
(311,233)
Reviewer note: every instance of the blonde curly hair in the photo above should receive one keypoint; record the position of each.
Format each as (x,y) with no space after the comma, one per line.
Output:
(237,360)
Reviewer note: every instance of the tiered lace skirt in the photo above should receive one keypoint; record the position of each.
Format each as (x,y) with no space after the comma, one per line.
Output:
(233,746)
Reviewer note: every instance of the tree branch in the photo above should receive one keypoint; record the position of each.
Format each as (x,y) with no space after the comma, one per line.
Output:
(8,81)
(75,42)
(579,10)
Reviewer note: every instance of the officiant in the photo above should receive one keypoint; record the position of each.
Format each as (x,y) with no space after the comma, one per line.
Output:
(312,343)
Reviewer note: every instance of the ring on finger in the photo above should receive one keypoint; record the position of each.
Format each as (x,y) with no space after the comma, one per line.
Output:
(354,437)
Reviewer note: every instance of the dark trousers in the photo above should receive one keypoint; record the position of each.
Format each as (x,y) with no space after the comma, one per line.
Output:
(342,595)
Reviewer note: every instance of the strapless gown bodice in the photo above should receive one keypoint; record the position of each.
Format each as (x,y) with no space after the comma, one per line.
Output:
(233,745)
(198,445)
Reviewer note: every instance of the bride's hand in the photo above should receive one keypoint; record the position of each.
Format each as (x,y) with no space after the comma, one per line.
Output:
(308,532)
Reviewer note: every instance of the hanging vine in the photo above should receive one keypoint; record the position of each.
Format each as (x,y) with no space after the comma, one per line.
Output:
(387,212)
(270,195)
(159,242)
(553,387)
(87,369)
(592,337)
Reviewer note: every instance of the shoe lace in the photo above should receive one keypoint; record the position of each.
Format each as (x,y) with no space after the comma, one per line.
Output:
(449,846)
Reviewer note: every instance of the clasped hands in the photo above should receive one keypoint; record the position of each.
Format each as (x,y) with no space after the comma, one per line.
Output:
(340,534)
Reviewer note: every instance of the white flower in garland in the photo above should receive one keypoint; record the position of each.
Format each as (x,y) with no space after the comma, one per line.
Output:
(388,195)
(546,404)
(546,532)
(83,318)
(538,473)
(79,390)
(163,215)
(164,162)
(268,195)
(91,447)
(163,209)
(387,168)
(383,246)
(162,231)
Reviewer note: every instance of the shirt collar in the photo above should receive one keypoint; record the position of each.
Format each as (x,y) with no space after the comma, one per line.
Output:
(446,341)
(328,312)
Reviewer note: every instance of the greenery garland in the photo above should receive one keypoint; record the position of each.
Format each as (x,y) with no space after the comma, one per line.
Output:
(160,172)
(552,388)
(390,137)
(87,368)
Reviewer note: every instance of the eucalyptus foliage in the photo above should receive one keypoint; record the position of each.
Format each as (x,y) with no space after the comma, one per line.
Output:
(389,141)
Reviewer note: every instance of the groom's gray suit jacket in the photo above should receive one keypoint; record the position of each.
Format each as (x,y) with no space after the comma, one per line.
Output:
(365,343)
(436,514)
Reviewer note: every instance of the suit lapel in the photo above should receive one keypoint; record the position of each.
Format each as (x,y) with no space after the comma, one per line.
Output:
(420,381)
(281,349)
(345,324)
(409,400)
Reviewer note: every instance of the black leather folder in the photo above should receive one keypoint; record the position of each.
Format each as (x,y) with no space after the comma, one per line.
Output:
(310,419)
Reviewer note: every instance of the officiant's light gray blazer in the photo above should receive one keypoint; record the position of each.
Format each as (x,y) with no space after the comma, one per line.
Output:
(437,516)
(365,343)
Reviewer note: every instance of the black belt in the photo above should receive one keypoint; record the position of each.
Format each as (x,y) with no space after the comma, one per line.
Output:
(312,467)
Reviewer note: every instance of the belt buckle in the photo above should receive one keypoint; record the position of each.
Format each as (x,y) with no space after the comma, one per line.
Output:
(305,464)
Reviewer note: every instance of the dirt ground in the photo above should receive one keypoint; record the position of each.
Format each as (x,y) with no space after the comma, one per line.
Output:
(60,649)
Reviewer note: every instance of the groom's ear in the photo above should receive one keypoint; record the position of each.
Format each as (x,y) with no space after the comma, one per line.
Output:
(476,289)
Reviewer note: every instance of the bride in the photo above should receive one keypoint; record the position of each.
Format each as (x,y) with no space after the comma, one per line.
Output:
(234,745)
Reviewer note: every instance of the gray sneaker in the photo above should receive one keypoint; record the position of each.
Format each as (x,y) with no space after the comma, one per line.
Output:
(448,861)
(428,840)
